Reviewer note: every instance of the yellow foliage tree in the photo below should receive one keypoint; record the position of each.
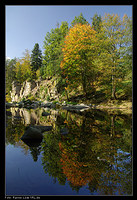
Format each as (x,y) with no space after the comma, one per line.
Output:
(80,52)
(23,68)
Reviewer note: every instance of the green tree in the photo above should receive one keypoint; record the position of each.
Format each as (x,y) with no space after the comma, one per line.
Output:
(80,19)
(9,75)
(126,54)
(36,59)
(116,33)
(53,54)
(96,22)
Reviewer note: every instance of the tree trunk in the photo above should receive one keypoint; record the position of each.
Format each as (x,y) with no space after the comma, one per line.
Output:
(113,88)
(84,83)
(113,82)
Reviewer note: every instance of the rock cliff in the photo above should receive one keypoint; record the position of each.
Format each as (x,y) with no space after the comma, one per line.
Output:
(40,89)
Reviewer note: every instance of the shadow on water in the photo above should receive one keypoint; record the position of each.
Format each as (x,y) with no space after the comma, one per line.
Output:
(92,148)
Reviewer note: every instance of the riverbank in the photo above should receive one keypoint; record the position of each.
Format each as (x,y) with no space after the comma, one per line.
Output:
(111,105)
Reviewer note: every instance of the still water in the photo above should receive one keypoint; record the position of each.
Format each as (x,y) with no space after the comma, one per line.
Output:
(84,154)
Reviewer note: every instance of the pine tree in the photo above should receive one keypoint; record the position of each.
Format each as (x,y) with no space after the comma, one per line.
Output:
(53,54)
(36,59)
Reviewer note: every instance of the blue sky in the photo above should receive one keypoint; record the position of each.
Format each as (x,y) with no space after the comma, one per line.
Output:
(27,25)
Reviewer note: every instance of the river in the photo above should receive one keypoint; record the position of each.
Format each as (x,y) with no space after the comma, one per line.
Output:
(87,153)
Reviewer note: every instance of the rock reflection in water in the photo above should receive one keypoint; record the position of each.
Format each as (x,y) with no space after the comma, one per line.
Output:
(92,149)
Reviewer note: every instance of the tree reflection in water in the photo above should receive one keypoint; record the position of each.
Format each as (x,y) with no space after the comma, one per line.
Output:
(95,149)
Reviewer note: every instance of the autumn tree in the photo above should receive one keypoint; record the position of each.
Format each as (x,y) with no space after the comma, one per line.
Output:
(23,68)
(79,57)
(19,75)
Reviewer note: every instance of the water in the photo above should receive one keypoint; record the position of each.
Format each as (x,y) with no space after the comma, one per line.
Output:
(84,154)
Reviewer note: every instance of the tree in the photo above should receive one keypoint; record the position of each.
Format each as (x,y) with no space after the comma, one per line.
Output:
(23,68)
(19,75)
(96,22)
(26,67)
(53,54)
(126,54)
(36,59)
(9,75)
(79,57)
(115,31)
(80,19)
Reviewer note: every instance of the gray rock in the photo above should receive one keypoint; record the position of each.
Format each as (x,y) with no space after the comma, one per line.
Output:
(42,104)
(45,114)
(17,117)
(34,105)
(48,104)
(76,107)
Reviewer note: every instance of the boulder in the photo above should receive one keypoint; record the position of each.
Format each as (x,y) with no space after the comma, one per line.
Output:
(76,107)
(35,132)
(32,133)
(34,105)
(48,104)
(45,113)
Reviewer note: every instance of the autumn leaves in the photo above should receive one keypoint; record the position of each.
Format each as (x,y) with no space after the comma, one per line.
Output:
(79,54)
(98,59)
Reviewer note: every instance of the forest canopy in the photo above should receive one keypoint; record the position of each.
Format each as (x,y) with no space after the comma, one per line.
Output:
(87,57)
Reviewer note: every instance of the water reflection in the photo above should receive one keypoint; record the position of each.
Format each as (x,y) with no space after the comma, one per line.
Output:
(92,149)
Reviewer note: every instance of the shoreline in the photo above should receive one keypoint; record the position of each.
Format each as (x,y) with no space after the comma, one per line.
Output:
(110,106)
(124,106)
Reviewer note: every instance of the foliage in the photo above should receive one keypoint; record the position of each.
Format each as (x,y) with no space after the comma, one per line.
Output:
(79,57)
(23,68)
(36,60)
(52,53)
(9,75)
(87,59)
(96,22)
(80,19)
(96,152)
(116,31)
(89,154)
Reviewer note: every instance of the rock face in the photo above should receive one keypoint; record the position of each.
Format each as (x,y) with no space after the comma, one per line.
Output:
(15,93)
(40,88)
(26,88)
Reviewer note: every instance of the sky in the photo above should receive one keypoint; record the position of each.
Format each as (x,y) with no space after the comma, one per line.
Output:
(27,25)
